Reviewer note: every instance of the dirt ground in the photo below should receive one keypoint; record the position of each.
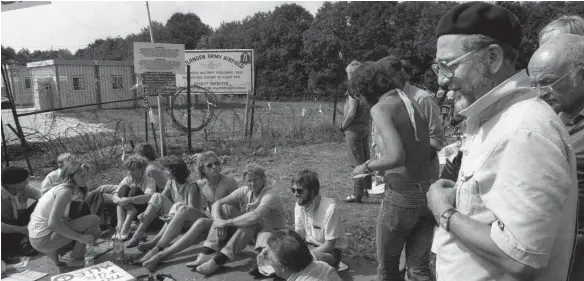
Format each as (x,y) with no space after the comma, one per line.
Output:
(358,270)
(329,159)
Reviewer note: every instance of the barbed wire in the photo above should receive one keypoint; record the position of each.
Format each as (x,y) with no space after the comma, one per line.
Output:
(100,134)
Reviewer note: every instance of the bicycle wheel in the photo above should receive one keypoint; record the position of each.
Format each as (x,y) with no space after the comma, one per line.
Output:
(203,104)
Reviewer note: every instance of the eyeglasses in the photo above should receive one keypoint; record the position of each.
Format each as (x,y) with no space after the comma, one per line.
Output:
(446,68)
(214,164)
(300,191)
(543,90)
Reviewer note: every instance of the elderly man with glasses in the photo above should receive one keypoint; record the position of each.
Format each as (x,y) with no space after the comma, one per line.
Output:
(557,73)
(511,215)
(263,210)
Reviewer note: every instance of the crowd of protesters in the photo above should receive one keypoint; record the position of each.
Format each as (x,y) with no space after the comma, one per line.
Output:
(510,212)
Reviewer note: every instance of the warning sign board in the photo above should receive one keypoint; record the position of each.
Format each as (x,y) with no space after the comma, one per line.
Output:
(159,83)
(159,57)
(220,71)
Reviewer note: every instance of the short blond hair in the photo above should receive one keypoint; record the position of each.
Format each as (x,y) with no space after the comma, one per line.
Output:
(136,162)
(201,162)
(64,158)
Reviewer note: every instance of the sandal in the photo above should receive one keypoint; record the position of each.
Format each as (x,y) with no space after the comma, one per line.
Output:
(352,199)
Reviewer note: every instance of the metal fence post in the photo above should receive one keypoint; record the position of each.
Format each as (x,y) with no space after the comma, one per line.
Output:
(189,133)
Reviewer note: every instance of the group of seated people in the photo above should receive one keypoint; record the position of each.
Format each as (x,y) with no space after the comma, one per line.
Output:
(233,217)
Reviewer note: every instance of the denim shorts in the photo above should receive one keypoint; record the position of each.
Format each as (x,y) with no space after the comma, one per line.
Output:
(51,242)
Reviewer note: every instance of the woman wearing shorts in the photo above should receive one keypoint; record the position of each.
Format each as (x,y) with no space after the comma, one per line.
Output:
(50,230)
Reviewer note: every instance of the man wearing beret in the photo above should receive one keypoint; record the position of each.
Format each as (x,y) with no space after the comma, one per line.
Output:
(511,215)
(15,215)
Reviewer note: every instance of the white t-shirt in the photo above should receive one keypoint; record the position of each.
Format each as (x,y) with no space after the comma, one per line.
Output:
(52,179)
(147,184)
(39,219)
(316,271)
(321,224)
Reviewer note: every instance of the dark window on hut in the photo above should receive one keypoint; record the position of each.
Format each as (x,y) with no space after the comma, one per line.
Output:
(27,83)
(78,83)
(117,82)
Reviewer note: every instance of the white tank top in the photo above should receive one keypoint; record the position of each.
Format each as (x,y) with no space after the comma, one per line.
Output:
(39,219)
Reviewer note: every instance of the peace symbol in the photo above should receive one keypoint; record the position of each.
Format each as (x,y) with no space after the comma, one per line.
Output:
(64,277)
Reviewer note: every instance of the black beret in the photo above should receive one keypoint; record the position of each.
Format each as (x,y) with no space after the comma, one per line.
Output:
(13,175)
(482,18)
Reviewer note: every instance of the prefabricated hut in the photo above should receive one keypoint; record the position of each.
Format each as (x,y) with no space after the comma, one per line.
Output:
(68,83)
(20,85)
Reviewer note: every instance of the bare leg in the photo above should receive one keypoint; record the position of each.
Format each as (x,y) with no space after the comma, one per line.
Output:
(177,223)
(189,238)
(149,216)
(121,217)
(147,246)
(150,246)
(86,225)
(131,214)
(174,228)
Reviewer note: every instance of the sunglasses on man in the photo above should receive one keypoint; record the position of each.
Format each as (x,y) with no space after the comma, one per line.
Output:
(300,191)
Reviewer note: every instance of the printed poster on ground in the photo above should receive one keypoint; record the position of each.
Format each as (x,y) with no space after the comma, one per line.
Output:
(106,271)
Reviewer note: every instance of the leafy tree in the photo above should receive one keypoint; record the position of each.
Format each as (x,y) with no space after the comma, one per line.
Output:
(8,53)
(298,54)
(186,29)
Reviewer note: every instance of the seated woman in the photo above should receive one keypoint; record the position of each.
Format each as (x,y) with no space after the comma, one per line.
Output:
(154,169)
(133,193)
(49,229)
(180,192)
(214,186)
(102,197)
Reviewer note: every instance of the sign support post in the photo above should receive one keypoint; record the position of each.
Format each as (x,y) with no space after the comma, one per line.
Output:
(159,61)
(189,133)
(160,100)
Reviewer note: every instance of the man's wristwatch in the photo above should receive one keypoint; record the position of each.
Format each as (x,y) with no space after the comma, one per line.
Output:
(445,219)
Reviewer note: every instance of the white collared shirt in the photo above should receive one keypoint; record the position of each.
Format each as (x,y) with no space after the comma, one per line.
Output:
(518,175)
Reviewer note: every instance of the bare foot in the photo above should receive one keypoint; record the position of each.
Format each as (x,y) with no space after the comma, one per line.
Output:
(150,253)
(132,243)
(146,246)
(153,262)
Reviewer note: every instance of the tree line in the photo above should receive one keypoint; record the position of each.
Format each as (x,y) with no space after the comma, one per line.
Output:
(298,54)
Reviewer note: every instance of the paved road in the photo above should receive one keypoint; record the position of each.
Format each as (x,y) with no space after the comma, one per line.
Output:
(358,270)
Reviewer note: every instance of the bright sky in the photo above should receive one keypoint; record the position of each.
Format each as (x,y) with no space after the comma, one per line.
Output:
(74,25)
